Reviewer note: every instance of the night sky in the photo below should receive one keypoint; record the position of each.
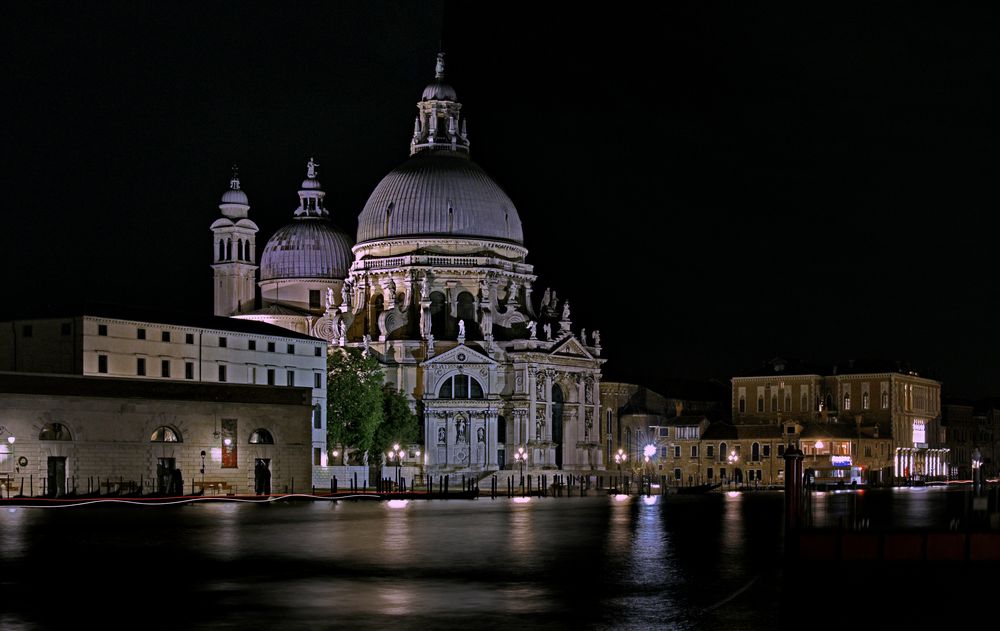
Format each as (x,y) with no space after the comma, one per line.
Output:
(711,185)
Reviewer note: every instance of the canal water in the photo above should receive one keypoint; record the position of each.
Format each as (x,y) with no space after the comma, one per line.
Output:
(694,562)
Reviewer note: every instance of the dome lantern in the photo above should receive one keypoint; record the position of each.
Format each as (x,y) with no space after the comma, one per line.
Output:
(439,125)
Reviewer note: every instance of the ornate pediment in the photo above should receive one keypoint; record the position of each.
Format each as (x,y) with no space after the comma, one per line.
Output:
(461,354)
(571,347)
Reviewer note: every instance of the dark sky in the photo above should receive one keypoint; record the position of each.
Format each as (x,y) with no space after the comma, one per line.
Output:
(711,185)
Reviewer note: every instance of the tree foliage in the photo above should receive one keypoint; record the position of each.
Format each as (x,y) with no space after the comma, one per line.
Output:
(354,399)
(399,423)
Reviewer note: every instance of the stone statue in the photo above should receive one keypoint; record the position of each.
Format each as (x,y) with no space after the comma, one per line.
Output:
(441,436)
(531,330)
(481,435)
(343,330)
(311,168)
(547,329)
(597,338)
(460,431)
(565,311)
(583,336)
(345,295)
(461,329)
(425,288)
(367,341)
(546,298)
(329,297)
(512,292)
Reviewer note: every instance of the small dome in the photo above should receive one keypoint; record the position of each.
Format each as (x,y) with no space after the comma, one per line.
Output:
(311,184)
(439,193)
(236,196)
(309,247)
(438,90)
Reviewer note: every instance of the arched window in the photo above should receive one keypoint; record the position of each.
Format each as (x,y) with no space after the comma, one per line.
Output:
(847,400)
(774,403)
(461,387)
(829,401)
(885,399)
(55,431)
(229,249)
(239,249)
(439,314)
(722,452)
(755,452)
(865,400)
(164,434)
(261,437)
(222,250)
(743,405)
(788,402)
(760,402)
(467,312)
(804,403)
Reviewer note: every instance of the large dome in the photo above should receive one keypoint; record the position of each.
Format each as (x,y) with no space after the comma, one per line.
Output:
(439,193)
(309,247)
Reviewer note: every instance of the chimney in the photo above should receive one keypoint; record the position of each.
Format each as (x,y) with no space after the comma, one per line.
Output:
(679,407)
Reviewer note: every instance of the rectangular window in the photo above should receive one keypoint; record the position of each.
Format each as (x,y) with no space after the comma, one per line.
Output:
(317,452)
(102,329)
(65,328)
(290,378)
(189,338)
(314,299)
(767,451)
(677,474)
(663,453)
(270,376)
(694,451)
(317,380)
(665,432)
(722,472)
(781,450)
(102,364)
(270,347)
(140,334)
(222,373)
(319,351)
(710,451)
(291,349)
(165,368)
(710,473)
(165,336)
(743,405)
(140,366)
(760,403)
(222,342)
(317,417)
(228,442)
(252,345)
(608,417)
(790,429)
(677,451)
(189,370)
(27,330)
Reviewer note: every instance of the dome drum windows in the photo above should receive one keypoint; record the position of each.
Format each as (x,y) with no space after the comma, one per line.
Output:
(261,436)
(164,434)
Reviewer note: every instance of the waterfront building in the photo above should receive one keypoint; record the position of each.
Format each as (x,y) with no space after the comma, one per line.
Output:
(971,426)
(60,433)
(857,407)
(116,342)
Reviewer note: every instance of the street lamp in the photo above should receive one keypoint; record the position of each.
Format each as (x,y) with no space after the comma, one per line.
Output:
(397,455)
(520,457)
(620,457)
(733,458)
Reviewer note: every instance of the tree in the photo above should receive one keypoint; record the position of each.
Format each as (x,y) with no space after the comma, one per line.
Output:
(399,423)
(354,399)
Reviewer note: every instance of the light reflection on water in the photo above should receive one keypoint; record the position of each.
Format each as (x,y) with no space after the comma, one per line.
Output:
(598,562)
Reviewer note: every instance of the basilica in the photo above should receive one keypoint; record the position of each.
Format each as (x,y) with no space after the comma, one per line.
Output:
(436,285)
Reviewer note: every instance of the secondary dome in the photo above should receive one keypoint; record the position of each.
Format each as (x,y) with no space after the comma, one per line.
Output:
(439,193)
(309,247)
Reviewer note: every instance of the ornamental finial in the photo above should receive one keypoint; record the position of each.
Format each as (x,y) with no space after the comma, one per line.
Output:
(234,183)
(311,169)
(439,68)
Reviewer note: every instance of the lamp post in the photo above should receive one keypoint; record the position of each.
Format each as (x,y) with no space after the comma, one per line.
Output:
(520,456)
(620,457)
(733,458)
(397,455)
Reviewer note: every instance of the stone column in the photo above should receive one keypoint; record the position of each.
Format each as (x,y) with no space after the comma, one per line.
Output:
(491,439)
(529,433)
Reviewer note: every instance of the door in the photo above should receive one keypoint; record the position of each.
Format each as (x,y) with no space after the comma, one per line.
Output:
(165,476)
(57,476)
(501,458)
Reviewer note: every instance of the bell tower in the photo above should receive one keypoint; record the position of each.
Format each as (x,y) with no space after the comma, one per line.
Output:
(234,252)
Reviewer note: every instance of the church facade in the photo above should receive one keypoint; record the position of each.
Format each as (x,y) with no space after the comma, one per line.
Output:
(438,288)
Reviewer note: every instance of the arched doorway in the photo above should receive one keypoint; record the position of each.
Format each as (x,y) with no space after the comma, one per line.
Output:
(557,423)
